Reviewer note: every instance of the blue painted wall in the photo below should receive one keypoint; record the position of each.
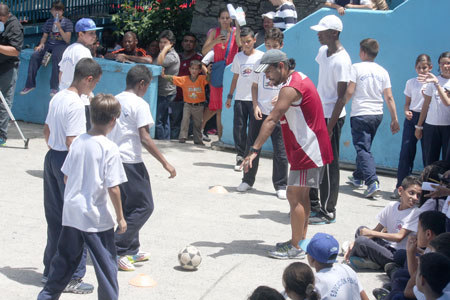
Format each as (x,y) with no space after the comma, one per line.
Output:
(412,28)
(33,107)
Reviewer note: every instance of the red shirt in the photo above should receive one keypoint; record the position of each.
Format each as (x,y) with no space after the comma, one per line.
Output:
(138,52)
(304,129)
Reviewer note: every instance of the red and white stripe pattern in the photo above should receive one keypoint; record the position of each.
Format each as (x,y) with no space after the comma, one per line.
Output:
(304,129)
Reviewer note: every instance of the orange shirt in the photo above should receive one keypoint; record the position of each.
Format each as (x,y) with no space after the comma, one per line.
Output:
(193,92)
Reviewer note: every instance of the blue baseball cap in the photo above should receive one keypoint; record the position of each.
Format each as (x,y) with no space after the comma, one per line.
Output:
(321,247)
(86,24)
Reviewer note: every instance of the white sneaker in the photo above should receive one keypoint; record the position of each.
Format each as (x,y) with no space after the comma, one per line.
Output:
(243,187)
(281,194)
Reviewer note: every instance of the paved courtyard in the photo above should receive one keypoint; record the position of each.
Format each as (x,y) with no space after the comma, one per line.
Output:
(233,231)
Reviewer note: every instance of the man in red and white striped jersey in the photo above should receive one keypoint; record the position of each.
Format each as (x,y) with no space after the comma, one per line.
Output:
(305,135)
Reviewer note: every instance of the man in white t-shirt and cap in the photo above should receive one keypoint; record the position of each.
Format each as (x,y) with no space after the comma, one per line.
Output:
(334,73)
(86,33)
(267,25)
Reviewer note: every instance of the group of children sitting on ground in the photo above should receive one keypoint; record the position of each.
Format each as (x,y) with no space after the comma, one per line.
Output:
(411,243)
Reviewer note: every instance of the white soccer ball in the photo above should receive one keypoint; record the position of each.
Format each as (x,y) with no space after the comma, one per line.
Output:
(189,257)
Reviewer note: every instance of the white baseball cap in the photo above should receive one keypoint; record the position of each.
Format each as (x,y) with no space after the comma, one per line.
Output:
(269,15)
(328,22)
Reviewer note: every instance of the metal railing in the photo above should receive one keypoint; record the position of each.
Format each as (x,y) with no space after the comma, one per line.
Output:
(35,11)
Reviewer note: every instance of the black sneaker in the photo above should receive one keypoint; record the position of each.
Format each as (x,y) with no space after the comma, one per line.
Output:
(205,137)
(391,268)
(77,286)
(380,293)
(322,219)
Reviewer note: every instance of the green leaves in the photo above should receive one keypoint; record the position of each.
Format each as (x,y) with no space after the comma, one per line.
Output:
(149,18)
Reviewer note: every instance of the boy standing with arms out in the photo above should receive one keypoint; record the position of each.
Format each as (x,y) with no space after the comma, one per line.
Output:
(373,249)
(333,281)
(334,73)
(193,87)
(65,121)
(130,134)
(92,170)
(369,82)
(242,68)
(262,95)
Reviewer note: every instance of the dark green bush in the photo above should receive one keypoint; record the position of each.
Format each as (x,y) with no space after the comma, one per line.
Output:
(149,18)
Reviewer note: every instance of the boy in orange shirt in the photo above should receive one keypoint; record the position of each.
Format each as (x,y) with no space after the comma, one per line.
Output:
(193,87)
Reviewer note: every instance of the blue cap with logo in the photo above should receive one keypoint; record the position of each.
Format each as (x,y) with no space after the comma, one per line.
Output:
(86,24)
(321,247)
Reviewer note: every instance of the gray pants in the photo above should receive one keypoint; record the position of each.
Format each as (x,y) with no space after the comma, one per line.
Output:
(194,110)
(7,87)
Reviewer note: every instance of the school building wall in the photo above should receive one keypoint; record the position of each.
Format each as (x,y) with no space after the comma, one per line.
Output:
(411,28)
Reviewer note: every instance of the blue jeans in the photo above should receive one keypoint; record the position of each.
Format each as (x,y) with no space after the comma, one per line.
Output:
(35,63)
(7,86)
(162,127)
(364,129)
(408,149)
(175,116)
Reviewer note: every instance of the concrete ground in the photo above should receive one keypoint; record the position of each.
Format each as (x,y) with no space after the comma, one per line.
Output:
(232,231)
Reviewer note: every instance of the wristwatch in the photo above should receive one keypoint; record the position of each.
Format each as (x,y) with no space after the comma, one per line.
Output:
(254,150)
(418,127)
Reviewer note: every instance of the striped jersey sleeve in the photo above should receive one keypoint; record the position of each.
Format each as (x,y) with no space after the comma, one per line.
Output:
(285,16)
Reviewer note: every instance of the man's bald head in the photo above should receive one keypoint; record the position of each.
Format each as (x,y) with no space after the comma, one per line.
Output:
(129,41)
(130,34)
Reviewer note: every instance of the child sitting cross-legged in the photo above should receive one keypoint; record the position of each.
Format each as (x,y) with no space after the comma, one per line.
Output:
(374,248)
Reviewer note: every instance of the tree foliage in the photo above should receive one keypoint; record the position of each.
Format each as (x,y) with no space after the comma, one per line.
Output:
(149,18)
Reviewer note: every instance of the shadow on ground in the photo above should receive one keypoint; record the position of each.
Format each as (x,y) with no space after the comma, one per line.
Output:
(36,173)
(214,165)
(27,276)
(273,215)
(251,247)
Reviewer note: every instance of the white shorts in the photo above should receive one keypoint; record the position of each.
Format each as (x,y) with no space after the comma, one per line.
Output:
(309,177)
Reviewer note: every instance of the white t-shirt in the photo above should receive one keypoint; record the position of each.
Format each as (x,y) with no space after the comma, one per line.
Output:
(332,70)
(362,2)
(438,113)
(208,58)
(135,114)
(92,166)
(266,92)
(413,219)
(65,117)
(244,65)
(371,80)
(394,220)
(70,58)
(338,282)
(413,89)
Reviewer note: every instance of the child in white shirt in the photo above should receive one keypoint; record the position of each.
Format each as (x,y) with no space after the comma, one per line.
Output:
(242,68)
(65,121)
(373,249)
(92,170)
(130,134)
(333,281)
(369,82)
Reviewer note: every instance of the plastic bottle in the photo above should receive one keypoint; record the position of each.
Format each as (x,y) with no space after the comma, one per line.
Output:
(55,28)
